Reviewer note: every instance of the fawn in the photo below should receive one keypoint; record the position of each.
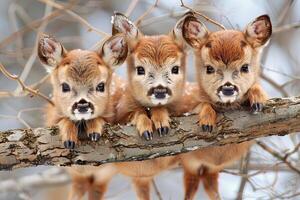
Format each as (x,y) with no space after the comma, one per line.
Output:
(85,93)
(156,79)
(228,69)
(82,91)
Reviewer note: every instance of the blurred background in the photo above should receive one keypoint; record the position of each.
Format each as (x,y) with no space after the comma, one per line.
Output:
(83,23)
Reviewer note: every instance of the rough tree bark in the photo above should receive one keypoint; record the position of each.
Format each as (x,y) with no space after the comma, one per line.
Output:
(42,146)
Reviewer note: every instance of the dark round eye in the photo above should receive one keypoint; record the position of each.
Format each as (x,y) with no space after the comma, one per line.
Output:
(175,70)
(245,68)
(140,70)
(100,87)
(210,69)
(65,87)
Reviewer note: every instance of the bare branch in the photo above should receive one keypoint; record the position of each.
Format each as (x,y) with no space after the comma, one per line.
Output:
(278,87)
(24,87)
(151,8)
(76,16)
(202,15)
(286,27)
(42,146)
(35,24)
(131,7)
(244,170)
(278,156)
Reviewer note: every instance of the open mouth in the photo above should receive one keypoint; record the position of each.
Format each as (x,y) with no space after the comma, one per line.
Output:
(80,116)
(159,95)
(227,93)
(83,110)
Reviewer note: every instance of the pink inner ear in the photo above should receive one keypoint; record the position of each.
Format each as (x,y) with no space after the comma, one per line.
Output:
(116,45)
(193,28)
(49,46)
(126,26)
(259,28)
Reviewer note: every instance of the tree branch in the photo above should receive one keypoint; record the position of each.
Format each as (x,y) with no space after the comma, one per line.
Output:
(42,146)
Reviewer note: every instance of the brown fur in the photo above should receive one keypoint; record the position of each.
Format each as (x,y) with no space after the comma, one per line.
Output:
(83,70)
(227,46)
(74,69)
(152,52)
(226,51)
(157,49)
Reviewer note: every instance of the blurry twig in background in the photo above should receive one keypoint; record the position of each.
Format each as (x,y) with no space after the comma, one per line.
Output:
(278,156)
(286,27)
(202,15)
(51,177)
(16,12)
(131,7)
(150,9)
(157,192)
(34,24)
(278,87)
(76,16)
(32,58)
(24,87)
(243,170)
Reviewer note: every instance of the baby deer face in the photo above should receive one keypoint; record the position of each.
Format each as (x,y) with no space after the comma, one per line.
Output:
(81,78)
(227,61)
(156,64)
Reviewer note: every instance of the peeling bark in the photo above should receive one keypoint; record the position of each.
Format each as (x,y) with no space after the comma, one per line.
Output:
(22,148)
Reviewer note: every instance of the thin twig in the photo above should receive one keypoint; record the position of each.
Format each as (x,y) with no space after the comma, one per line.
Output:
(32,58)
(24,87)
(131,7)
(32,25)
(150,9)
(286,27)
(76,16)
(157,192)
(202,15)
(278,156)
(278,87)
(244,170)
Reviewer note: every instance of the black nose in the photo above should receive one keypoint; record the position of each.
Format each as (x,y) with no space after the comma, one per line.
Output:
(83,106)
(228,89)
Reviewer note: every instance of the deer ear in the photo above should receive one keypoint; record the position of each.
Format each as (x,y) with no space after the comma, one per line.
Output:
(176,33)
(121,24)
(50,52)
(193,31)
(114,50)
(259,31)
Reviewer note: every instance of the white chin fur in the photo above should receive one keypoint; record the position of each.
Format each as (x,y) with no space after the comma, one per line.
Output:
(79,116)
(156,101)
(228,99)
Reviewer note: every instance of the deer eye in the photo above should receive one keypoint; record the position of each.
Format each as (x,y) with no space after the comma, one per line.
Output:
(175,70)
(140,70)
(65,87)
(245,68)
(100,87)
(210,69)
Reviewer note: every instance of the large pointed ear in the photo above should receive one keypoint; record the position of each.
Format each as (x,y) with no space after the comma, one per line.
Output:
(50,52)
(176,33)
(121,24)
(194,32)
(259,31)
(114,50)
